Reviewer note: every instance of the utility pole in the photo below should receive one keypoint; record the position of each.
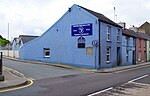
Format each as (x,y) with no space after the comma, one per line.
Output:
(114,13)
(8,39)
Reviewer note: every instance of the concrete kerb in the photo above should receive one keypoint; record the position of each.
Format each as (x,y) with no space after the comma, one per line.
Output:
(105,70)
(12,81)
(122,68)
(51,64)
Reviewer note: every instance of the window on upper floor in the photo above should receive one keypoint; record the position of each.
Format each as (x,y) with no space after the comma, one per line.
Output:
(108,55)
(127,41)
(140,43)
(145,44)
(108,32)
(118,35)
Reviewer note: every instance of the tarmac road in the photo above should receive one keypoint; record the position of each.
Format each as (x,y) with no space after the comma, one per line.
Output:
(80,84)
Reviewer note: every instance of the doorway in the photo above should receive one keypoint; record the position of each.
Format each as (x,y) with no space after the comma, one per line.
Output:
(118,57)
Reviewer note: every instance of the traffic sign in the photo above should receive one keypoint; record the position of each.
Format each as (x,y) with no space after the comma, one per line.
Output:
(95,43)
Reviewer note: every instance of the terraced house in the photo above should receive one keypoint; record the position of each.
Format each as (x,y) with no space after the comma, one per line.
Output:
(81,37)
(129,47)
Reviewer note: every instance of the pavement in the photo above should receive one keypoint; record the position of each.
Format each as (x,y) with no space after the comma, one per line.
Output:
(14,79)
(11,80)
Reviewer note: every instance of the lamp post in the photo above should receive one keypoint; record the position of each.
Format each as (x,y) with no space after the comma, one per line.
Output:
(1,67)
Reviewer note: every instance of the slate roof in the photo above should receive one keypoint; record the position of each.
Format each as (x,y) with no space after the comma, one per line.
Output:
(27,38)
(143,35)
(131,33)
(101,17)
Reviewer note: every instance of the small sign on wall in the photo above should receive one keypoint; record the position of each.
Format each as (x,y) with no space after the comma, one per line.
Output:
(89,51)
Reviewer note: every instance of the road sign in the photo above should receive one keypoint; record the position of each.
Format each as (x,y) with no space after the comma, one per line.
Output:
(95,43)
(81,29)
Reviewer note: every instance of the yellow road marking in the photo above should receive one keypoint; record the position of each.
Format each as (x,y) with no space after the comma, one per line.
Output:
(17,88)
(30,82)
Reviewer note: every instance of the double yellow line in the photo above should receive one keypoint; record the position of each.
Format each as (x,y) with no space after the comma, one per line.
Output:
(29,82)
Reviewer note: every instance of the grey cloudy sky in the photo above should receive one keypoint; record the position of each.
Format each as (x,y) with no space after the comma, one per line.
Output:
(34,17)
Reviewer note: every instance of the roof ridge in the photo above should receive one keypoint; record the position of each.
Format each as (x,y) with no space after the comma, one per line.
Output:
(101,17)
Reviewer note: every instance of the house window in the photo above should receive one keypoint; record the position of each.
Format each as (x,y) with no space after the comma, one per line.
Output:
(46,52)
(127,41)
(108,33)
(140,43)
(108,55)
(118,35)
(139,56)
(127,55)
(145,44)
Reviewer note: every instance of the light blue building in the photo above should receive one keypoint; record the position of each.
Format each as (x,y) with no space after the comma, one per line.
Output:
(21,40)
(129,47)
(81,37)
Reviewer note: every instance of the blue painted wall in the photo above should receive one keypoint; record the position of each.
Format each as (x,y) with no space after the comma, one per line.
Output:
(113,44)
(63,46)
(130,47)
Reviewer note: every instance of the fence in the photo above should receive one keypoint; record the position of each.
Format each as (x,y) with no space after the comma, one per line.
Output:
(10,53)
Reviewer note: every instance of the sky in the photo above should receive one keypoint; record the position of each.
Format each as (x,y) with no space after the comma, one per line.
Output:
(34,17)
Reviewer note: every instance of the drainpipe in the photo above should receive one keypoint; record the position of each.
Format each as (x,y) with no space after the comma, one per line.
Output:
(100,65)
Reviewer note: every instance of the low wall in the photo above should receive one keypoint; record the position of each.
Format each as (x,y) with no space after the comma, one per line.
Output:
(10,53)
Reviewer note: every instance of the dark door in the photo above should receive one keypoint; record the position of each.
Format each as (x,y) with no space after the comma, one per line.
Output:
(118,56)
(133,58)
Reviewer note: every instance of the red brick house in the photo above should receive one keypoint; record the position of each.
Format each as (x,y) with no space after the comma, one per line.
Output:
(140,49)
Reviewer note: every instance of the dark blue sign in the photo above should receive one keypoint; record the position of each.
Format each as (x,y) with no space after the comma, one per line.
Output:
(81,39)
(81,30)
(95,43)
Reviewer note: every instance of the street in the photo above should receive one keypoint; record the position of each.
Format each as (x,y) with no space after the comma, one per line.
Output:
(52,81)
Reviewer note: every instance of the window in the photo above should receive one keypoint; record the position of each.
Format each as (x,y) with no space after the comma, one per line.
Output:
(145,44)
(108,33)
(127,41)
(139,56)
(46,52)
(118,35)
(127,55)
(140,43)
(108,55)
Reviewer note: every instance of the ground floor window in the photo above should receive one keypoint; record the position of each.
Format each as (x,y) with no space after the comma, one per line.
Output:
(127,55)
(139,56)
(108,55)
(46,52)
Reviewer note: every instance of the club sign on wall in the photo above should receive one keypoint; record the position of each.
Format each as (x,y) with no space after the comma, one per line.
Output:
(81,29)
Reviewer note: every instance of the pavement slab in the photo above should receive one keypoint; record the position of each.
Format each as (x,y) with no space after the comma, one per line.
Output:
(11,80)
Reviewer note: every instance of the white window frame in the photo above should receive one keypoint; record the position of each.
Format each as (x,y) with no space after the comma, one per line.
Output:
(139,56)
(127,55)
(108,53)
(108,33)
(46,55)
(118,35)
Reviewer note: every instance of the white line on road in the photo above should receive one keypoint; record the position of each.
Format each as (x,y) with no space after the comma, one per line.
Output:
(100,91)
(137,78)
